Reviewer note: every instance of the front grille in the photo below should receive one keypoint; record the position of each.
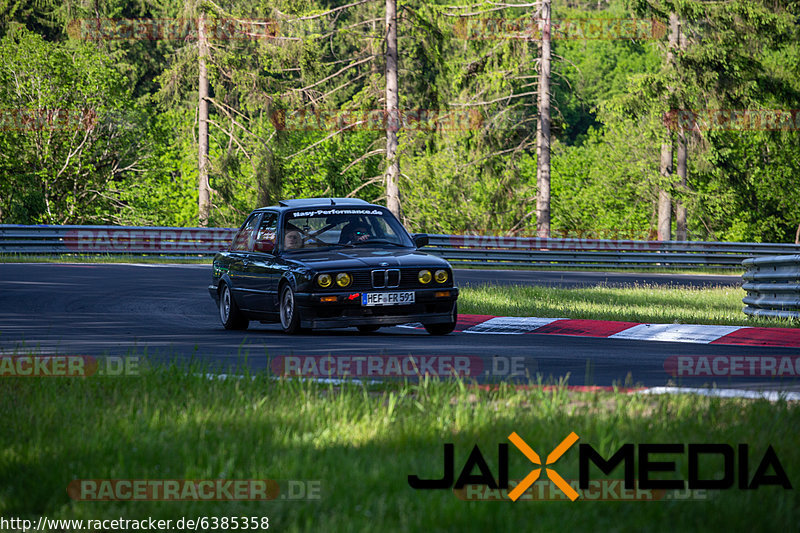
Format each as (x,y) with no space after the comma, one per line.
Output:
(361,280)
(390,278)
(386,279)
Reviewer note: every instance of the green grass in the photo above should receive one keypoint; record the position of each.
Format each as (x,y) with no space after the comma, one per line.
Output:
(629,269)
(639,303)
(361,444)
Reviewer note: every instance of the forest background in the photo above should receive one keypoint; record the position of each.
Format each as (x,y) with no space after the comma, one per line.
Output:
(99,113)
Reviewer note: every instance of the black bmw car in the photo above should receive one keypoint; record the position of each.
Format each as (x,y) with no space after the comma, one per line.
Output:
(330,263)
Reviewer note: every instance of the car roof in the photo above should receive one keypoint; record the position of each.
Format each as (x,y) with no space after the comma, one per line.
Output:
(316,202)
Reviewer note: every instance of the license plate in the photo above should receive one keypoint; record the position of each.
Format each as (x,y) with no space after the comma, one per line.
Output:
(387,298)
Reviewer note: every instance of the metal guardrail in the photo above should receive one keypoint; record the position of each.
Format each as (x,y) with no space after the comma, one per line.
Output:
(460,250)
(773,286)
(599,253)
(129,240)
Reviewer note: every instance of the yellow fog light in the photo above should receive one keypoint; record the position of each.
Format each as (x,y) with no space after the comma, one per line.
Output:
(424,276)
(440,276)
(343,279)
(324,280)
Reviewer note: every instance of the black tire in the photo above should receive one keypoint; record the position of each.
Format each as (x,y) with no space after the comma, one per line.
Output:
(290,317)
(371,328)
(444,328)
(229,313)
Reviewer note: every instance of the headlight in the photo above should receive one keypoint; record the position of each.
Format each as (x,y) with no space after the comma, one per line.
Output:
(343,279)
(424,276)
(440,276)
(324,280)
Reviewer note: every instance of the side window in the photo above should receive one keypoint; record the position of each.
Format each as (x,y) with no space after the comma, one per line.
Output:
(267,233)
(241,243)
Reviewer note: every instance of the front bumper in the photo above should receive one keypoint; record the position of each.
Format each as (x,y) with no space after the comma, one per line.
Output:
(347,310)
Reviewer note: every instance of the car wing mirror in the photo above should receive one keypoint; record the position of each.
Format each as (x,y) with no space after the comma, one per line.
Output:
(266,246)
(420,239)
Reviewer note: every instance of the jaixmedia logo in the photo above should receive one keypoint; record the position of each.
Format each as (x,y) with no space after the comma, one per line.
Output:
(639,463)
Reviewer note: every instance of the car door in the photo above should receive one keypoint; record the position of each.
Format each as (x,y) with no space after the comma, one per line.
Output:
(261,278)
(239,259)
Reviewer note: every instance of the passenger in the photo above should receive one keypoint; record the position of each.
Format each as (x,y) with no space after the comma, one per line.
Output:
(292,240)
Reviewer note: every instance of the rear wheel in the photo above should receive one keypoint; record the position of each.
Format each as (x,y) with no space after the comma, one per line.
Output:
(229,313)
(368,328)
(444,328)
(290,317)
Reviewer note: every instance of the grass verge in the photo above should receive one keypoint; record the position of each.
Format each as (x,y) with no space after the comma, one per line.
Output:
(639,303)
(627,269)
(360,444)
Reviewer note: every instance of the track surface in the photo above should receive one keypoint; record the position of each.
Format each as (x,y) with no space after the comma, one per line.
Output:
(165,312)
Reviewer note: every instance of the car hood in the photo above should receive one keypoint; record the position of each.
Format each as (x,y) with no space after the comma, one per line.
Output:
(365,257)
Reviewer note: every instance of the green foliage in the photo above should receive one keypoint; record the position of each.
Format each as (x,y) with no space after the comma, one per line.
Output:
(71,134)
(610,96)
(165,192)
(748,186)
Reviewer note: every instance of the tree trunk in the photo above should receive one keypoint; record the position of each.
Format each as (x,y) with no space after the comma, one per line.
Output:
(664,201)
(680,208)
(543,129)
(203,193)
(683,152)
(392,113)
(665,168)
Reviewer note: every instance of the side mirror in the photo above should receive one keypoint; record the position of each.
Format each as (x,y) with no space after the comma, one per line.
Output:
(420,239)
(265,246)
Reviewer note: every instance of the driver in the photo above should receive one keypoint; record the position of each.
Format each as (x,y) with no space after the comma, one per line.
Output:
(355,232)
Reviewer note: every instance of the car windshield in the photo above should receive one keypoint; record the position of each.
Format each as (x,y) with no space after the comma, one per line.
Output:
(327,227)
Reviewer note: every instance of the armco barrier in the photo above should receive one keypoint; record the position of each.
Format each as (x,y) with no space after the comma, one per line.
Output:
(113,240)
(461,250)
(476,250)
(773,286)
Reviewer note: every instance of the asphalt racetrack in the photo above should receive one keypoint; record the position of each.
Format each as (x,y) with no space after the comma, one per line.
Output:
(164,312)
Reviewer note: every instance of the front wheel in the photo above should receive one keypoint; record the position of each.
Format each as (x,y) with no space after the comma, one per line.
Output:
(229,313)
(444,328)
(290,317)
